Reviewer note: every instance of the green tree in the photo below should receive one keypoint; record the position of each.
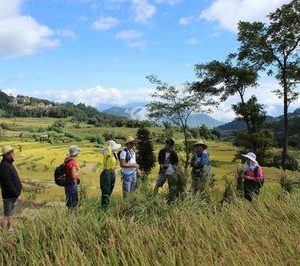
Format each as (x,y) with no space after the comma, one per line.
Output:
(227,79)
(274,46)
(145,154)
(176,105)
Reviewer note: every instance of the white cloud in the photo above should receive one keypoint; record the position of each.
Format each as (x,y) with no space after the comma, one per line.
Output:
(129,35)
(273,105)
(105,23)
(192,41)
(95,96)
(143,10)
(66,33)
(139,44)
(186,20)
(170,2)
(229,12)
(22,35)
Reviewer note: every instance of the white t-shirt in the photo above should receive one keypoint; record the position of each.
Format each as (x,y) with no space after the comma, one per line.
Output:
(128,171)
(170,169)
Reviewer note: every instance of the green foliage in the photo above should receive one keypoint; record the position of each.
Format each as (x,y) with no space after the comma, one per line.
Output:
(290,164)
(145,154)
(260,143)
(274,46)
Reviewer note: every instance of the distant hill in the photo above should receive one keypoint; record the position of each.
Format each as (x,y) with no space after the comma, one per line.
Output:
(23,106)
(274,124)
(140,113)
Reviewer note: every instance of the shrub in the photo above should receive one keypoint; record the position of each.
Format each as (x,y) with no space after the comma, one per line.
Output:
(290,164)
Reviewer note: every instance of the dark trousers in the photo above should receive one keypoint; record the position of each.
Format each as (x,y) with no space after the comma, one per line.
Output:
(72,199)
(107,184)
(251,189)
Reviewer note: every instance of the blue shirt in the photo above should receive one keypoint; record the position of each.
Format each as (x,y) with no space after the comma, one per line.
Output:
(202,160)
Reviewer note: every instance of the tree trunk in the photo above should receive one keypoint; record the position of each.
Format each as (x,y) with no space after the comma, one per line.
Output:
(187,154)
(245,117)
(285,125)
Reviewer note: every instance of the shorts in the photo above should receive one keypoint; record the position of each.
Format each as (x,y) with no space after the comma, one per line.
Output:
(129,182)
(9,206)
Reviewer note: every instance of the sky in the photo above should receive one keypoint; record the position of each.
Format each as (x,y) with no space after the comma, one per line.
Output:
(99,51)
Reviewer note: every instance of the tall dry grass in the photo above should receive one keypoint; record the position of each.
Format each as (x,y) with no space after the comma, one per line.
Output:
(144,230)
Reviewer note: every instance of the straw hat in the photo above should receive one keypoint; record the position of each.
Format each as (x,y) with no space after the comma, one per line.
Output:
(6,149)
(251,156)
(114,146)
(74,150)
(200,143)
(130,139)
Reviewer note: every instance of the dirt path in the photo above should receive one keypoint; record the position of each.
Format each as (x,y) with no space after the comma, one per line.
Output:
(89,167)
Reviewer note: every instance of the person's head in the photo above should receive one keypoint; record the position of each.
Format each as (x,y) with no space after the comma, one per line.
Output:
(114,146)
(130,143)
(250,158)
(74,151)
(200,146)
(169,144)
(8,152)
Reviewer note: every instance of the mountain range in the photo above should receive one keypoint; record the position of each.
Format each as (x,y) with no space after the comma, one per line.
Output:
(140,113)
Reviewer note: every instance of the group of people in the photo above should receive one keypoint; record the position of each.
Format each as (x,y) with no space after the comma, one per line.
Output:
(114,156)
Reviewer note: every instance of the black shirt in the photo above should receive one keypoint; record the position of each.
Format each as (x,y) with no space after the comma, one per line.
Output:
(11,186)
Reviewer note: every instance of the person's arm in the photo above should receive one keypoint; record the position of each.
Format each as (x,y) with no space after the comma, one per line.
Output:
(13,181)
(123,163)
(259,175)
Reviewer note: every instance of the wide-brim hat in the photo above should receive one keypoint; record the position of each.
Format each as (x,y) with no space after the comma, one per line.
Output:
(74,150)
(251,156)
(200,143)
(170,141)
(114,146)
(6,149)
(130,139)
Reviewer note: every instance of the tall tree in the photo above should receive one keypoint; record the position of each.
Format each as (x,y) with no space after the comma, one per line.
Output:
(145,155)
(274,46)
(176,106)
(228,79)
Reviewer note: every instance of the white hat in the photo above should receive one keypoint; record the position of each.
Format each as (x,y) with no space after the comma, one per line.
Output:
(114,146)
(251,156)
(74,150)
(6,149)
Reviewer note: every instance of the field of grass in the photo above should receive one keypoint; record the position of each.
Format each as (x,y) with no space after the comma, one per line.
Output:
(142,229)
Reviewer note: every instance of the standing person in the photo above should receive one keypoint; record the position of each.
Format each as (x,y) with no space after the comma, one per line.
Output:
(253,176)
(201,168)
(11,186)
(130,169)
(168,161)
(72,173)
(108,175)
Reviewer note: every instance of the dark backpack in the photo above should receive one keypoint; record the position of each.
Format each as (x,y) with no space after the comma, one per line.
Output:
(128,157)
(60,174)
(261,183)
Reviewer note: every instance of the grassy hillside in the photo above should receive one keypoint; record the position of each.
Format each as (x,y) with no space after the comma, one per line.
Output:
(141,229)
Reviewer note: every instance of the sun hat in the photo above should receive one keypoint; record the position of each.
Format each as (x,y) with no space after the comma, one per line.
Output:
(251,156)
(170,141)
(74,150)
(6,149)
(200,143)
(130,139)
(114,146)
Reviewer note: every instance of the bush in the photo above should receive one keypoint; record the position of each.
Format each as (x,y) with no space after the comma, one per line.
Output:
(291,162)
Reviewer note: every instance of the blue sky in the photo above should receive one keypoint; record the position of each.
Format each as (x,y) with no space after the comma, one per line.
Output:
(99,51)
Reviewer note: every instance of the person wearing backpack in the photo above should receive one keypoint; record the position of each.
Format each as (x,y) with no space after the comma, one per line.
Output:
(108,175)
(253,176)
(130,169)
(72,177)
(168,161)
(11,186)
